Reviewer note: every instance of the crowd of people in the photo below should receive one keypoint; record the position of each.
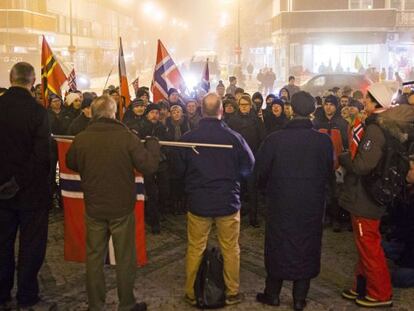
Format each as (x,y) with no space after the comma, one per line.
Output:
(283,144)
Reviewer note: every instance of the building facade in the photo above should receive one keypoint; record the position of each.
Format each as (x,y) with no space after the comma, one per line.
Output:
(91,46)
(343,35)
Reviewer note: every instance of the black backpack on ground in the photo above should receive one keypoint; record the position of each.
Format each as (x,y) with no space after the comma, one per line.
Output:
(387,182)
(209,285)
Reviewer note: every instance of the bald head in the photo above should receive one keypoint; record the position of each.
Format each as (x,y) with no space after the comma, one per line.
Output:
(211,106)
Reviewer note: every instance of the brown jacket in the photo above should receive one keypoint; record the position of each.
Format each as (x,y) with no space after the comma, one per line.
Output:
(106,154)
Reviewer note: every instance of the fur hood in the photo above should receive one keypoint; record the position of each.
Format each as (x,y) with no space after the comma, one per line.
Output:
(398,121)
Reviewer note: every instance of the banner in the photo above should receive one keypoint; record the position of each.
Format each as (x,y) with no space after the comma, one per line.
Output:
(74,211)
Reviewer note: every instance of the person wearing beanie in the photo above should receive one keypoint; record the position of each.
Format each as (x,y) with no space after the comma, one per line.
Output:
(294,165)
(134,115)
(71,110)
(229,108)
(372,285)
(252,129)
(257,99)
(157,185)
(276,120)
(82,121)
(193,113)
(174,99)
(220,89)
(329,120)
(143,94)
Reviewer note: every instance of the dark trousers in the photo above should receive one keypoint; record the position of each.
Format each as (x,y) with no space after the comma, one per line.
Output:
(32,226)
(157,189)
(299,292)
(249,186)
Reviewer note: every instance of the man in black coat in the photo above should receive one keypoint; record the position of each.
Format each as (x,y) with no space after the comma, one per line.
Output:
(24,189)
(295,165)
(82,121)
(246,122)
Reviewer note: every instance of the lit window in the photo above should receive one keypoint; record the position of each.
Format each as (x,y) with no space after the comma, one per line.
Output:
(361,4)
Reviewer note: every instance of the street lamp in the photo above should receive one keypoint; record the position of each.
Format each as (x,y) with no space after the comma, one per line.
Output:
(71,48)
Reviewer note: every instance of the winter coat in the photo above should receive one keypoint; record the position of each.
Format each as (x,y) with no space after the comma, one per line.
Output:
(398,122)
(292,89)
(273,123)
(175,131)
(354,198)
(212,177)
(67,116)
(25,148)
(134,122)
(106,155)
(250,127)
(294,164)
(55,122)
(337,122)
(194,120)
(78,125)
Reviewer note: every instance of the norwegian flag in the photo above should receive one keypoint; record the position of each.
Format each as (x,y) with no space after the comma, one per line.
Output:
(166,75)
(205,78)
(356,135)
(72,81)
(135,84)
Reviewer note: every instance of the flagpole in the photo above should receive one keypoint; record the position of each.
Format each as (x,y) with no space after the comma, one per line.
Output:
(164,143)
(107,79)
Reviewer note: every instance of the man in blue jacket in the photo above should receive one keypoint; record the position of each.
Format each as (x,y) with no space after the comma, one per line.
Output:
(212,183)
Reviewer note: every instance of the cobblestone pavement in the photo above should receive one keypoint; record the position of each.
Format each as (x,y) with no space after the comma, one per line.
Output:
(160,283)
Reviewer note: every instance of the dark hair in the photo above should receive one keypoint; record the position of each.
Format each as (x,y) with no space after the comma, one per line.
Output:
(113,91)
(377,104)
(22,73)
(232,78)
(238,90)
(287,91)
(291,78)
(357,95)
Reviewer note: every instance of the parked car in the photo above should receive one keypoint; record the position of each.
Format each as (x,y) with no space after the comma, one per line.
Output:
(323,82)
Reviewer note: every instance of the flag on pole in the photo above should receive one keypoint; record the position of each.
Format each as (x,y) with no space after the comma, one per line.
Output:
(166,75)
(205,78)
(135,84)
(72,81)
(53,76)
(123,81)
(74,213)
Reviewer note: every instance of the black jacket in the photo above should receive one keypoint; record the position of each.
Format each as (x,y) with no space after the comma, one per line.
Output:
(322,122)
(25,147)
(78,125)
(68,114)
(250,127)
(294,164)
(55,122)
(184,127)
(273,123)
(134,122)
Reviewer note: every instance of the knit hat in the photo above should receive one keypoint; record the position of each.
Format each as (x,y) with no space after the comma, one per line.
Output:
(137,102)
(383,92)
(303,104)
(332,100)
(151,107)
(174,107)
(71,97)
(278,101)
(86,103)
(220,84)
(171,91)
(141,92)
(52,97)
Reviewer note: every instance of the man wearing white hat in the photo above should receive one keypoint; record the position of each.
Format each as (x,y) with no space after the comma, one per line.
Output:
(372,286)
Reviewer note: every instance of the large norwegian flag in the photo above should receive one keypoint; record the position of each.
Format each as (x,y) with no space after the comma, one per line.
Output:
(166,75)
(53,75)
(205,78)
(74,213)
(123,81)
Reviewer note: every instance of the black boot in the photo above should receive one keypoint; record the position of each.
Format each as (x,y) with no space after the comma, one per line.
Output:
(300,292)
(267,300)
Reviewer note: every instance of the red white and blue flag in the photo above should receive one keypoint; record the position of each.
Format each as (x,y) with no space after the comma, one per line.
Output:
(72,81)
(123,81)
(74,213)
(166,75)
(205,78)
(356,135)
